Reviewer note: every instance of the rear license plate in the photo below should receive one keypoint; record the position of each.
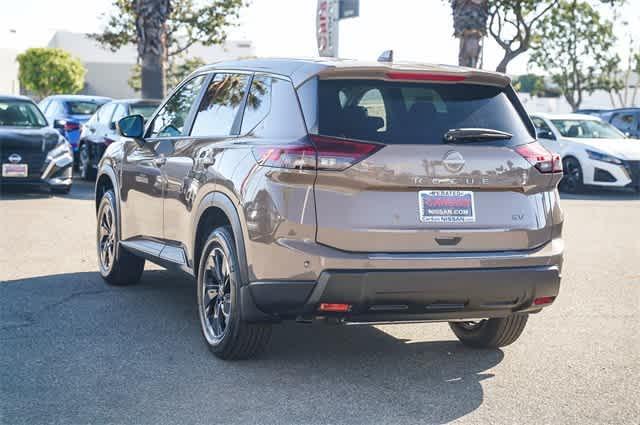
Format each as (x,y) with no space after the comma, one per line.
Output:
(15,170)
(446,206)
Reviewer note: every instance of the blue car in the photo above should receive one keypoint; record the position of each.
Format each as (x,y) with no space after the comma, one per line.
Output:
(67,113)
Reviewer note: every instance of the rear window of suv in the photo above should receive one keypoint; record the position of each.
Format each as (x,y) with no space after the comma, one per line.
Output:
(412,113)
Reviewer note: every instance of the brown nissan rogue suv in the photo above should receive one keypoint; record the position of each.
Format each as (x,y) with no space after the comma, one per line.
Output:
(355,191)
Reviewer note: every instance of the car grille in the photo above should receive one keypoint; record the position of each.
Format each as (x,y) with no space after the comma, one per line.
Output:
(34,160)
(633,168)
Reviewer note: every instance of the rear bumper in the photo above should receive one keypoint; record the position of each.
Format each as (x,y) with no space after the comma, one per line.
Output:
(405,295)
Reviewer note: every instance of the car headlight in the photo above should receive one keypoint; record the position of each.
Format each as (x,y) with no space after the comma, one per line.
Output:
(599,156)
(62,148)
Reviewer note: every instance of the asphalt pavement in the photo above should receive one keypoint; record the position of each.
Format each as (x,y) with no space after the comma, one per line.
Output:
(76,351)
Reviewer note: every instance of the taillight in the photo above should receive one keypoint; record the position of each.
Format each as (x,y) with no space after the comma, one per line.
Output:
(340,154)
(70,126)
(540,157)
(326,153)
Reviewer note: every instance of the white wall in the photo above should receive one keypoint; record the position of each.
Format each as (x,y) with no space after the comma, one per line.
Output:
(9,83)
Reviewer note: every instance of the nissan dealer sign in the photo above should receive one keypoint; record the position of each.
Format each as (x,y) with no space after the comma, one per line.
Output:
(327,27)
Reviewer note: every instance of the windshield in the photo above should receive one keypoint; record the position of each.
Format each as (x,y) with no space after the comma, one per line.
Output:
(146,110)
(20,113)
(413,113)
(85,107)
(587,129)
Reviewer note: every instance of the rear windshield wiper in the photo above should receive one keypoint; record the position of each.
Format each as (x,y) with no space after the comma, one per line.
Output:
(463,135)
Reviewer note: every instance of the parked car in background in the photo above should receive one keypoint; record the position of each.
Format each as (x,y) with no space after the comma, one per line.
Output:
(100,130)
(627,120)
(67,113)
(593,152)
(361,192)
(31,152)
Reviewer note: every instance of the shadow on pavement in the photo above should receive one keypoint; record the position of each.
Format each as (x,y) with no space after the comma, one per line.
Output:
(79,351)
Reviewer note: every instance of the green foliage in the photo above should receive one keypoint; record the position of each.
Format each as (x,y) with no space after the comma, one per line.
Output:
(191,21)
(46,71)
(177,72)
(574,44)
(529,83)
(512,24)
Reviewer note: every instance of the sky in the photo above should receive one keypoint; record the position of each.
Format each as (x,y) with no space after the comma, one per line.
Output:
(417,30)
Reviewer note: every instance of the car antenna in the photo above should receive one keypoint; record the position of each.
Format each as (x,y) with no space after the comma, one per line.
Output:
(386,56)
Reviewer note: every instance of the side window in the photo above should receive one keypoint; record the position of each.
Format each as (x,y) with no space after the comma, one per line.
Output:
(283,119)
(53,109)
(218,111)
(44,104)
(172,118)
(625,121)
(542,129)
(258,103)
(373,103)
(307,93)
(120,112)
(105,112)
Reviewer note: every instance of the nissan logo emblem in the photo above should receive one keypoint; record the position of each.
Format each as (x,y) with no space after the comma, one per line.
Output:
(15,158)
(453,161)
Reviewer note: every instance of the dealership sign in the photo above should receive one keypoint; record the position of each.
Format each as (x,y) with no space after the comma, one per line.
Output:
(327,27)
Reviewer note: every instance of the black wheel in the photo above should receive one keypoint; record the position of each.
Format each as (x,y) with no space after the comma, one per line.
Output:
(117,266)
(218,297)
(86,171)
(490,333)
(572,180)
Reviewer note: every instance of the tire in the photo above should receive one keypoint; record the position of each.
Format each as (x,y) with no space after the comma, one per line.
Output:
(86,171)
(218,298)
(573,179)
(117,266)
(490,333)
(61,190)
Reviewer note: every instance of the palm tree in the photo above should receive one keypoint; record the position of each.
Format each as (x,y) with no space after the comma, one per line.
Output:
(151,27)
(470,26)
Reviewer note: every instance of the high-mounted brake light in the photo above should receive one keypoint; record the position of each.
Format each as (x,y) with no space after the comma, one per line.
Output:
(421,76)
(326,153)
(541,158)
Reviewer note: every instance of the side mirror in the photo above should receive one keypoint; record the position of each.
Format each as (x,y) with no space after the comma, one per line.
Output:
(545,134)
(132,127)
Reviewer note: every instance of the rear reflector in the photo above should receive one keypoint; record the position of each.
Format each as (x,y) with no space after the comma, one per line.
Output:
(541,158)
(326,153)
(543,300)
(420,76)
(334,308)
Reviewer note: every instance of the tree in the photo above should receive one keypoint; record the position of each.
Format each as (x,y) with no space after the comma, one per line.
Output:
(165,29)
(470,26)
(176,72)
(45,71)
(574,45)
(530,83)
(511,24)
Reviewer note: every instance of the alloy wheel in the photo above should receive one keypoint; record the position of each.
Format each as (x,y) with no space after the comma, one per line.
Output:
(215,296)
(572,178)
(107,238)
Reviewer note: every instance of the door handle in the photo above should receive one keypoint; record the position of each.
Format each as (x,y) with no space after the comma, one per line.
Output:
(160,161)
(448,241)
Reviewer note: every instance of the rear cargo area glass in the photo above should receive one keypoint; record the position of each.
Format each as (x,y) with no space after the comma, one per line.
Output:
(412,113)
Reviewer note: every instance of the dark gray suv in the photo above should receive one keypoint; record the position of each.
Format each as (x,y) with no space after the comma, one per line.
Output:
(352,191)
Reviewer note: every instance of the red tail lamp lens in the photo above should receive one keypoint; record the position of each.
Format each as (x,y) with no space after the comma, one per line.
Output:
(334,308)
(326,153)
(543,300)
(541,158)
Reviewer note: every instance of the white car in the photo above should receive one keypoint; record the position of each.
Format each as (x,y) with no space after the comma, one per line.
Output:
(593,152)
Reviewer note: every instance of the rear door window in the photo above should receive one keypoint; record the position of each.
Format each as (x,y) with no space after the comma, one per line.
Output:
(625,121)
(171,119)
(218,111)
(413,113)
(258,103)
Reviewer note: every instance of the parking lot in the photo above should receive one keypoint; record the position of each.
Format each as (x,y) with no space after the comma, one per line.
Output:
(73,350)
